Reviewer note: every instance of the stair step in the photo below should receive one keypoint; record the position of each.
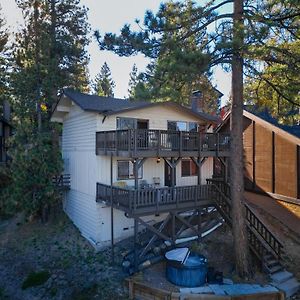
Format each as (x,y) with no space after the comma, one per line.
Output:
(271,263)
(281,277)
(290,287)
(274,269)
(268,257)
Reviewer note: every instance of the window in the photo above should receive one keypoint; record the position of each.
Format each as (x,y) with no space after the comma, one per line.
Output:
(125,170)
(131,123)
(188,168)
(182,126)
(193,126)
(126,123)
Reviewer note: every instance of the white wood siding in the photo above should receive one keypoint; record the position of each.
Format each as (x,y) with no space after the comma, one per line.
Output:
(153,169)
(158,117)
(78,151)
(86,169)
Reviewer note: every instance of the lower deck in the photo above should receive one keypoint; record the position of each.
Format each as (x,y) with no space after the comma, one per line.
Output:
(147,201)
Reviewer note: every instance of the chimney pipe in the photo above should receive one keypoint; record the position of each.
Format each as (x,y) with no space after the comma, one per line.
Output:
(196,101)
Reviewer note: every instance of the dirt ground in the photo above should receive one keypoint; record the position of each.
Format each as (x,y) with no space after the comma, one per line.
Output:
(217,247)
(76,271)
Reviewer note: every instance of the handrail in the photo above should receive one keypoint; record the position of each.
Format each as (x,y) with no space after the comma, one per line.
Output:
(62,181)
(256,228)
(160,140)
(157,198)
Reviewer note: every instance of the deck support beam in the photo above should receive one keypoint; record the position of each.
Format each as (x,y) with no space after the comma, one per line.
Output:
(199,161)
(112,211)
(135,244)
(154,237)
(199,225)
(185,222)
(224,162)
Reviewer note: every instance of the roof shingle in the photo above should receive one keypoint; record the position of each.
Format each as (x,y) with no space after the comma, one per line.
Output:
(109,105)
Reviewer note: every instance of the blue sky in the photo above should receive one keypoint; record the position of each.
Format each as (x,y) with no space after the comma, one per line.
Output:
(110,16)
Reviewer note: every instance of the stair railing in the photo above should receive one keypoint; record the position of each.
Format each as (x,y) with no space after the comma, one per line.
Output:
(261,239)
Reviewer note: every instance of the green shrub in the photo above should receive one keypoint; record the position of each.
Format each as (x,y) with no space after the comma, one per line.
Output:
(35,279)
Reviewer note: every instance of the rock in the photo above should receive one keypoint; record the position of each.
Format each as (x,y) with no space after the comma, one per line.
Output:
(156,250)
(126,264)
(227,281)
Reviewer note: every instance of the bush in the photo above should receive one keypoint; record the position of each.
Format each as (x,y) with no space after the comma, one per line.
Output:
(35,161)
(35,279)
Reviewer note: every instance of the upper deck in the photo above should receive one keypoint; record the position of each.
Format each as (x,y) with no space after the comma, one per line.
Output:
(161,143)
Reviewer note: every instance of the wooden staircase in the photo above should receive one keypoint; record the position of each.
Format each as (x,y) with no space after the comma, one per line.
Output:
(262,242)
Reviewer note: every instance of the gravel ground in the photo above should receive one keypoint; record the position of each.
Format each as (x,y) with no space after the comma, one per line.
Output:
(76,270)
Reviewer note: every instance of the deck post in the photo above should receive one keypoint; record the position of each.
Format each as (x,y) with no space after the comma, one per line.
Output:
(136,224)
(173,228)
(136,199)
(136,178)
(112,210)
(173,172)
(199,170)
(199,225)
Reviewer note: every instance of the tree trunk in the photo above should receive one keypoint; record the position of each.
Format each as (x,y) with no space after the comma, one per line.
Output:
(37,64)
(236,171)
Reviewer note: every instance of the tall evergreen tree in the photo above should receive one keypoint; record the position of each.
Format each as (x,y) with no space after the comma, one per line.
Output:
(229,45)
(49,54)
(3,61)
(104,84)
(175,72)
(276,86)
(133,82)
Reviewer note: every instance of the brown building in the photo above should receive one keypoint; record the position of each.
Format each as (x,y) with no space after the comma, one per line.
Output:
(271,155)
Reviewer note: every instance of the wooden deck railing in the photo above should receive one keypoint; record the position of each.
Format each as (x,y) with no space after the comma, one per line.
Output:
(62,181)
(261,239)
(152,199)
(158,141)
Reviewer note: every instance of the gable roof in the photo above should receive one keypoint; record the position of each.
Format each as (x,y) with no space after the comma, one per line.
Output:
(100,104)
(265,115)
(111,106)
(292,133)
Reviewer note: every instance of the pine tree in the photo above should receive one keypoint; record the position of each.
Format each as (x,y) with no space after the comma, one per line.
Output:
(175,72)
(104,84)
(49,54)
(133,82)
(276,86)
(3,62)
(239,41)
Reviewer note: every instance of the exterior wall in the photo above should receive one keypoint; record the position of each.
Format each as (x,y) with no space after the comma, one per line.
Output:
(248,152)
(271,163)
(285,167)
(263,158)
(158,119)
(153,169)
(157,116)
(86,169)
(79,157)
(271,159)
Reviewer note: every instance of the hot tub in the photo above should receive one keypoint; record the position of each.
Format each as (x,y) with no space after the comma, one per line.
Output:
(190,271)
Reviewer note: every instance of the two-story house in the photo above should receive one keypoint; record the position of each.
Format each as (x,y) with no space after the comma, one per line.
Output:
(143,159)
